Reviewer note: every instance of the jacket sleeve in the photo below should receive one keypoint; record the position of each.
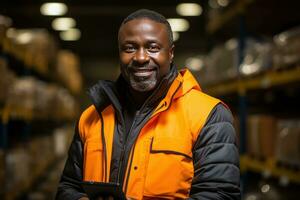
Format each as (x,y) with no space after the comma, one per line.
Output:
(69,187)
(216,159)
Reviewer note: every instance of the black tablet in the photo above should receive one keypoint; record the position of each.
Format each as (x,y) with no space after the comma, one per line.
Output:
(100,189)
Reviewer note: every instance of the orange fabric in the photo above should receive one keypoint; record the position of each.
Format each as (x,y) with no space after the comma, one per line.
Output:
(90,133)
(161,164)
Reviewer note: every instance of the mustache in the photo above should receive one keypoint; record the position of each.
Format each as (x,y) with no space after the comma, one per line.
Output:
(137,66)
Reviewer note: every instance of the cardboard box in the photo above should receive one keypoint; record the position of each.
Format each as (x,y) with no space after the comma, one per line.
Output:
(261,136)
(288,142)
(2,172)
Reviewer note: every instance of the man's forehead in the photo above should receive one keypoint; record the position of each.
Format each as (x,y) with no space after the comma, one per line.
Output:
(143,24)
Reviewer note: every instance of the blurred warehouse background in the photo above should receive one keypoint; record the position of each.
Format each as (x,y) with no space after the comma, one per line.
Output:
(246,52)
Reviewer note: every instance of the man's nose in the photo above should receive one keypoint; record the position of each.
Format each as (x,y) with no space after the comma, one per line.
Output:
(141,56)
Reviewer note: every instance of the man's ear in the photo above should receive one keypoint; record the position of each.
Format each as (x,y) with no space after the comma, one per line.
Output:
(171,53)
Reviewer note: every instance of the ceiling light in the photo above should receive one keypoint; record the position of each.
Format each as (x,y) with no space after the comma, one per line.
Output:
(5,21)
(194,63)
(72,34)
(178,24)
(24,37)
(213,4)
(231,44)
(284,181)
(189,9)
(251,197)
(223,3)
(11,33)
(54,9)
(265,188)
(20,36)
(248,69)
(63,23)
(175,36)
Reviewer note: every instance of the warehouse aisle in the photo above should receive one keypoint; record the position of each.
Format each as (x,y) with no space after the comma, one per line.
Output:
(244,52)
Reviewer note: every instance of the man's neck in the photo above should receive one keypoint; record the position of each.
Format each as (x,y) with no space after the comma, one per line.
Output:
(139,97)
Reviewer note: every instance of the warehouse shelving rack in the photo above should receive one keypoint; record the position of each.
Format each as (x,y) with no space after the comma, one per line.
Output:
(262,81)
(220,20)
(28,119)
(241,86)
(268,166)
(23,66)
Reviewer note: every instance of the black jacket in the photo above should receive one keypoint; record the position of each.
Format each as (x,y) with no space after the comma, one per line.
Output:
(215,153)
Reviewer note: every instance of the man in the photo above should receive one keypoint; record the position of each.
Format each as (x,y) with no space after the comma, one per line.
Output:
(153,131)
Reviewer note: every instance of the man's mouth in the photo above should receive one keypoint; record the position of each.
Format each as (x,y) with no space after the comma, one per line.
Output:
(142,72)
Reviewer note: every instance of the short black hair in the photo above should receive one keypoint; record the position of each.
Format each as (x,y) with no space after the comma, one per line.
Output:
(150,14)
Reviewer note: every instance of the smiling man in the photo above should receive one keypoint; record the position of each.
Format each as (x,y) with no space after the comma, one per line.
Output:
(153,132)
(146,53)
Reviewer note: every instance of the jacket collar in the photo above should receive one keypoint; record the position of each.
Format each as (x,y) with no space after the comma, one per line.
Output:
(107,92)
(183,83)
(188,83)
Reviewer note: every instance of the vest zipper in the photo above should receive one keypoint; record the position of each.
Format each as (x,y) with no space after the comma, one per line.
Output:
(104,149)
(131,158)
(122,160)
(129,168)
(121,164)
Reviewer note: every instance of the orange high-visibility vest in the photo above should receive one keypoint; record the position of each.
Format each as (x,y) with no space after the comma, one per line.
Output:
(161,160)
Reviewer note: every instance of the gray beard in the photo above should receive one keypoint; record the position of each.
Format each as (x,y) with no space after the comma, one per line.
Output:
(143,85)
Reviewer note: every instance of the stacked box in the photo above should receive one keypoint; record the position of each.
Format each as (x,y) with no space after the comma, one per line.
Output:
(22,89)
(41,100)
(60,142)
(41,150)
(68,72)
(6,81)
(62,139)
(43,50)
(288,142)
(43,96)
(17,168)
(287,48)
(37,51)
(2,171)
(5,23)
(261,136)
(257,57)
(221,63)
(34,152)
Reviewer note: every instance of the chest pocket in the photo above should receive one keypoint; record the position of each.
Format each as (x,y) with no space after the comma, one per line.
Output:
(93,161)
(170,168)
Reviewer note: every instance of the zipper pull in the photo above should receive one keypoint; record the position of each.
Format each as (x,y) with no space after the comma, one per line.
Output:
(137,113)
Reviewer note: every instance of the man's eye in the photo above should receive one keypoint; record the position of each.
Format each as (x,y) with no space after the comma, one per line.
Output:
(154,48)
(129,48)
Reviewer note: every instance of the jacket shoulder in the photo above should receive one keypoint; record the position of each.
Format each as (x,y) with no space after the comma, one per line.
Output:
(88,117)
(198,107)
(201,96)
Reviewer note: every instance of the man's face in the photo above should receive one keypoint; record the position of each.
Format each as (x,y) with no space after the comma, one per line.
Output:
(145,53)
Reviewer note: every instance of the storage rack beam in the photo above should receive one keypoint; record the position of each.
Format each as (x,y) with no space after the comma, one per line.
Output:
(27,184)
(269,165)
(267,80)
(220,20)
